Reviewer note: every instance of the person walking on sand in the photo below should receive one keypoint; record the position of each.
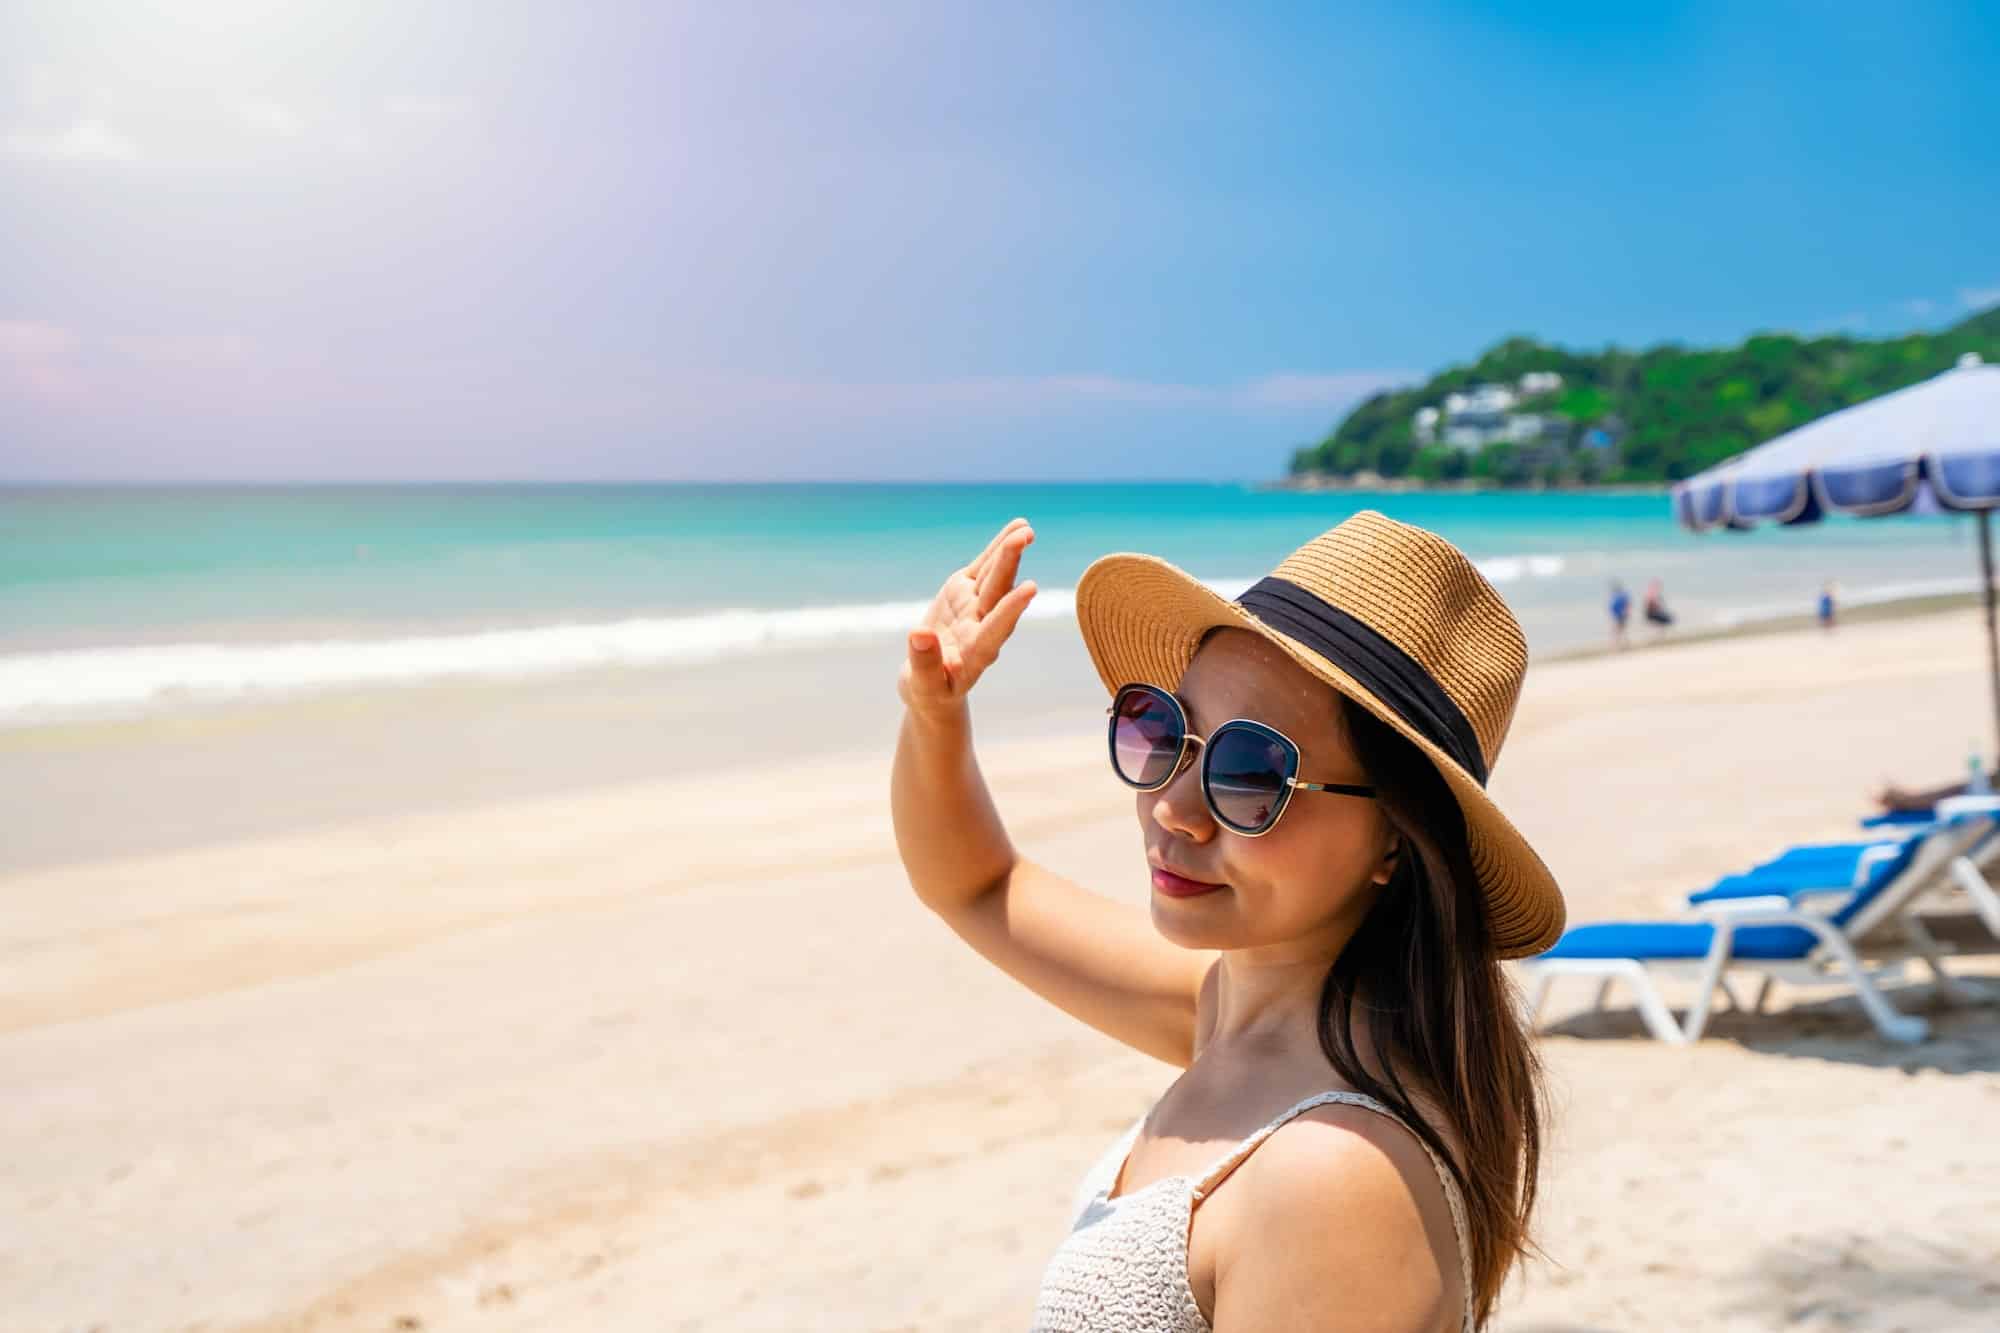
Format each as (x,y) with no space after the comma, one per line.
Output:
(1657,614)
(1826,607)
(1355,1134)
(1621,608)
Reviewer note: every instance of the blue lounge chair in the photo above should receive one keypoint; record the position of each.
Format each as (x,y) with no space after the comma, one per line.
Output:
(1772,936)
(1848,858)
(1825,871)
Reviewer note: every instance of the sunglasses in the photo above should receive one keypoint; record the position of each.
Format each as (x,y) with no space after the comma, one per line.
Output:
(1248,770)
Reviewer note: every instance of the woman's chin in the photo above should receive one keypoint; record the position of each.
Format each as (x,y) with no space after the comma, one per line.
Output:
(1192,923)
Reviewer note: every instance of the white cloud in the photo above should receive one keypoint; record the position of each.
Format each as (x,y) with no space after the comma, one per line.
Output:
(1919,306)
(63,122)
(84,141)
(426,108)
(1978,298)
(39,360)
(1284,390)
(42,88)
(1322,390)
(1277,391)
(269,117)
(861,400)
(200,352)
(1106,388)
(30,337)
(57,366)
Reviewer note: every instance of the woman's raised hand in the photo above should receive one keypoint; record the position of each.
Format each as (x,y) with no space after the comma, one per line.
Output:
(972,615)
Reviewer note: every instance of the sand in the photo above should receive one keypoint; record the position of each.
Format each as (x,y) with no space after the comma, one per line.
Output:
(677,1050)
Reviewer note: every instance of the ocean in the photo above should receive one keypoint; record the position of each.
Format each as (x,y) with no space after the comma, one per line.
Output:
(129,599)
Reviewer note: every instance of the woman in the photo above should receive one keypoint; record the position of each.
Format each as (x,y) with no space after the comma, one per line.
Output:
(1657,614)
(1354,1139)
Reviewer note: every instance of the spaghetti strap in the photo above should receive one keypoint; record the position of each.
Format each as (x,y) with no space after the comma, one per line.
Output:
(1206,1183)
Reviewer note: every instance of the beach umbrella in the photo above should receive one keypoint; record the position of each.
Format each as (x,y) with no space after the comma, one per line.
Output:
(1930,448)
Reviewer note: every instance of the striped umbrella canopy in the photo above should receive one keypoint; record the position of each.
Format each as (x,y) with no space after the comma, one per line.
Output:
(1932,447)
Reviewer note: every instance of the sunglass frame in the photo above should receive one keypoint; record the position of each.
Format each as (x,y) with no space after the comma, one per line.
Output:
(1291,780)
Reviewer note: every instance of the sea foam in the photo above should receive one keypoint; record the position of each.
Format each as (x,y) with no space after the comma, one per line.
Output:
(123,680)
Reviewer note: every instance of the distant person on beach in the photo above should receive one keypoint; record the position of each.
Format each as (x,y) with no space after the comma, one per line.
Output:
(1657,614)
(1892,799)
(1321,955)
(1826,607)
(1621,609)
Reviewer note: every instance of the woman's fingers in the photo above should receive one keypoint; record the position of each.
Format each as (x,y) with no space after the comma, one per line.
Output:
(964,629)
(999,624)
(979,562)
(927,669)
(999,573)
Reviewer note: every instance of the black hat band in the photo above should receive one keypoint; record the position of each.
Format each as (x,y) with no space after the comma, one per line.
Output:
(1386,671)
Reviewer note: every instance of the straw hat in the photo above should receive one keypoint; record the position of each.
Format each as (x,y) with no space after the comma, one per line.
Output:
(1393,617)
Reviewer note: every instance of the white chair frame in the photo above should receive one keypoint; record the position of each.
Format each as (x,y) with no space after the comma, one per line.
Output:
(1833,960)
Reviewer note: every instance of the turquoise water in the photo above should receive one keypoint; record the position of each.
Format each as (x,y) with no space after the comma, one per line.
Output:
(116,594)
(138,558)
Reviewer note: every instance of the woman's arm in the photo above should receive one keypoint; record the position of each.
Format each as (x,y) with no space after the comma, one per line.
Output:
(1095,959)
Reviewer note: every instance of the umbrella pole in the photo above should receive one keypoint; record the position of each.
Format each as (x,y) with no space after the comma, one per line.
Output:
(1992,635)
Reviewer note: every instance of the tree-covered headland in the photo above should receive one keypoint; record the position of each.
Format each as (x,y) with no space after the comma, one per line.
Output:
(1528,413)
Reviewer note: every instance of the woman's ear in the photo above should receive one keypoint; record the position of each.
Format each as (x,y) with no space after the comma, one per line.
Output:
(1385,869)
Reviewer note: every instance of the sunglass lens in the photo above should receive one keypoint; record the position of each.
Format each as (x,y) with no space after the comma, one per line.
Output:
(1145,738)
(1245,772)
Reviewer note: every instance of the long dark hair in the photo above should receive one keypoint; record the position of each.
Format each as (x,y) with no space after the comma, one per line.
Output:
(1441,1013)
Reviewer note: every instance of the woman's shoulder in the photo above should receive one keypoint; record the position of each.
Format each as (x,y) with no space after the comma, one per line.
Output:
(1366,1222)
(1349,1143)
(1345,1152)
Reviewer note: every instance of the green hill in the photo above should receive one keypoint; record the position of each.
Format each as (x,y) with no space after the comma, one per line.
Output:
(1638,416)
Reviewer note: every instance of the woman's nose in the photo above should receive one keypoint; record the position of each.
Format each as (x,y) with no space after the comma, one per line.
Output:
(1179,804)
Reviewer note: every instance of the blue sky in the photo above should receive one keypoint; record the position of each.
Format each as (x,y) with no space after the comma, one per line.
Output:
(369,240)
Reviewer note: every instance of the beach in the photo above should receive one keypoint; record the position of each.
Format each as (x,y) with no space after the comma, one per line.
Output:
(472,479)
(542,1004)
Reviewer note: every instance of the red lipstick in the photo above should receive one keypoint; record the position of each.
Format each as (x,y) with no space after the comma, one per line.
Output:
(1179,886)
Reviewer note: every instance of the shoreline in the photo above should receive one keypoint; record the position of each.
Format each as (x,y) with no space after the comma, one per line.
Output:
(221,772)
(219,673)
(1899,608)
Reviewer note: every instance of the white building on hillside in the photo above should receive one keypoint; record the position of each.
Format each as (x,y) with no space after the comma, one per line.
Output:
(1484,415)
(1477,417)
(1424,425)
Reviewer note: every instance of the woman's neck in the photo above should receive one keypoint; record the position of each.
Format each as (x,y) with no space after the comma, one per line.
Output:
(1267,1005)
(1264,1001)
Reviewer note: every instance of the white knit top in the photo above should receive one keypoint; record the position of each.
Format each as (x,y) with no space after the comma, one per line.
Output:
(1123,1268)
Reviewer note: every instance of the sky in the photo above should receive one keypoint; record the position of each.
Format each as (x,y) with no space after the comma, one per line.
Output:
(351,240)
